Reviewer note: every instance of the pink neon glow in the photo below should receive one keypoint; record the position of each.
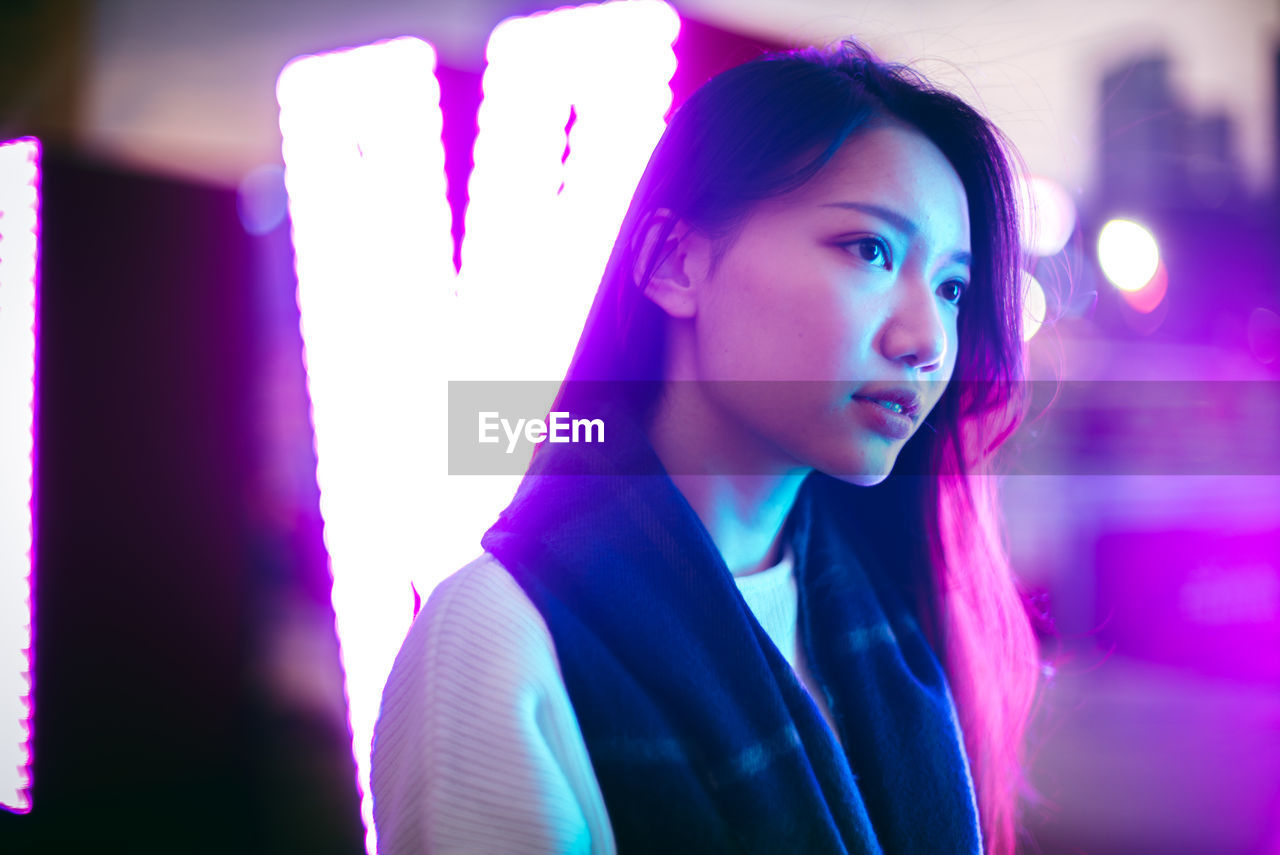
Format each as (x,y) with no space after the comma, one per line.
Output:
(385,324)
(364,171)
(19,284)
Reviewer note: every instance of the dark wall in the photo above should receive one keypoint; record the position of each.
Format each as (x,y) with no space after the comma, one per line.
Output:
(146,730)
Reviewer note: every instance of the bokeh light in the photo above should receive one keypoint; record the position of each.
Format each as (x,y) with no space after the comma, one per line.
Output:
(1128,254)
(261,200)
(1263,334)
(1149,296)
(1046,215)
(1034,306)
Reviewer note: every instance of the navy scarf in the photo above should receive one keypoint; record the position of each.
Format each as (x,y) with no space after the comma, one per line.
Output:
(699,732)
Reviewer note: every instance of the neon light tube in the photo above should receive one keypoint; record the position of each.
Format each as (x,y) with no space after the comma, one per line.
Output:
(19,284)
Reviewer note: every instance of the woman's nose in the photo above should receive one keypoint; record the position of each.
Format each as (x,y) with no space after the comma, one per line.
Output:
(915,331)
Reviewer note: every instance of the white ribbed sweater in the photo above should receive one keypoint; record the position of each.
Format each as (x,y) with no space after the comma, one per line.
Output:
(477,748)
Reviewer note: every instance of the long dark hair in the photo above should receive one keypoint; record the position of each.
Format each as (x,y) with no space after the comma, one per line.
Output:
(758,131)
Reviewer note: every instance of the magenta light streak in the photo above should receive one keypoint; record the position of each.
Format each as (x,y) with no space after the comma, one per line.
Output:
(19,288)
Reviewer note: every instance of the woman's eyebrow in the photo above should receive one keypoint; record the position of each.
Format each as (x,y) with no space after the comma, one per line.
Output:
(890,216)
(898,221)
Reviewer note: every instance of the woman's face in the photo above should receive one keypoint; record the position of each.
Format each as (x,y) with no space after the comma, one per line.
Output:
(839,303)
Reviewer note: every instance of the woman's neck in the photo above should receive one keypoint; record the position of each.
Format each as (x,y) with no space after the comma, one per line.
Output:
(739,494)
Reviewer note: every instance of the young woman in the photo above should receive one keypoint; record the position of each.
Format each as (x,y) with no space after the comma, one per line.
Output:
(771,613)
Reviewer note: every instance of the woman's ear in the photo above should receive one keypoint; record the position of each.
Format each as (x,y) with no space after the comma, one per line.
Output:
(680,256)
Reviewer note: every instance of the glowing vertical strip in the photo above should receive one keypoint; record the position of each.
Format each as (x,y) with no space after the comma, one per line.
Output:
(364,170)
(382,330)
(19,241)
(540,224)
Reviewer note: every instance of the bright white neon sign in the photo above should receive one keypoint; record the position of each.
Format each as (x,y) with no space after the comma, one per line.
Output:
(573,104)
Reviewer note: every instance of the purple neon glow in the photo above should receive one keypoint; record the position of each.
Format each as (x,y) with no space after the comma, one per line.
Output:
(385,322)
(19,282)
(364,171)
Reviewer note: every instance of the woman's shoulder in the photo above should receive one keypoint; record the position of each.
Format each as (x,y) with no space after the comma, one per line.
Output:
(479,617)
(477,744)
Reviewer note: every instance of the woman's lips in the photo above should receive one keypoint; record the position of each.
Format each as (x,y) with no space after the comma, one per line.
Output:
(883,419)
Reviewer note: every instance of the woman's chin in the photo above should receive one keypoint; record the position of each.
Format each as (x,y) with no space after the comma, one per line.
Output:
(860,479)
(865,472)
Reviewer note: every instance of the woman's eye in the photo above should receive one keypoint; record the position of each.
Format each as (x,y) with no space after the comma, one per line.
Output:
(953,290)
(872,250)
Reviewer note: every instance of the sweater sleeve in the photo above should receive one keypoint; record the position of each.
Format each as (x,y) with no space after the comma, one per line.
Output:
(477,748)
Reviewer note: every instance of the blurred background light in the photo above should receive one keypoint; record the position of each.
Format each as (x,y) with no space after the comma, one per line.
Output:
(1146,298)
(261,200)
(19,250)
(1034,306)
(1128,254)
(1046,215)
(1263,333)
